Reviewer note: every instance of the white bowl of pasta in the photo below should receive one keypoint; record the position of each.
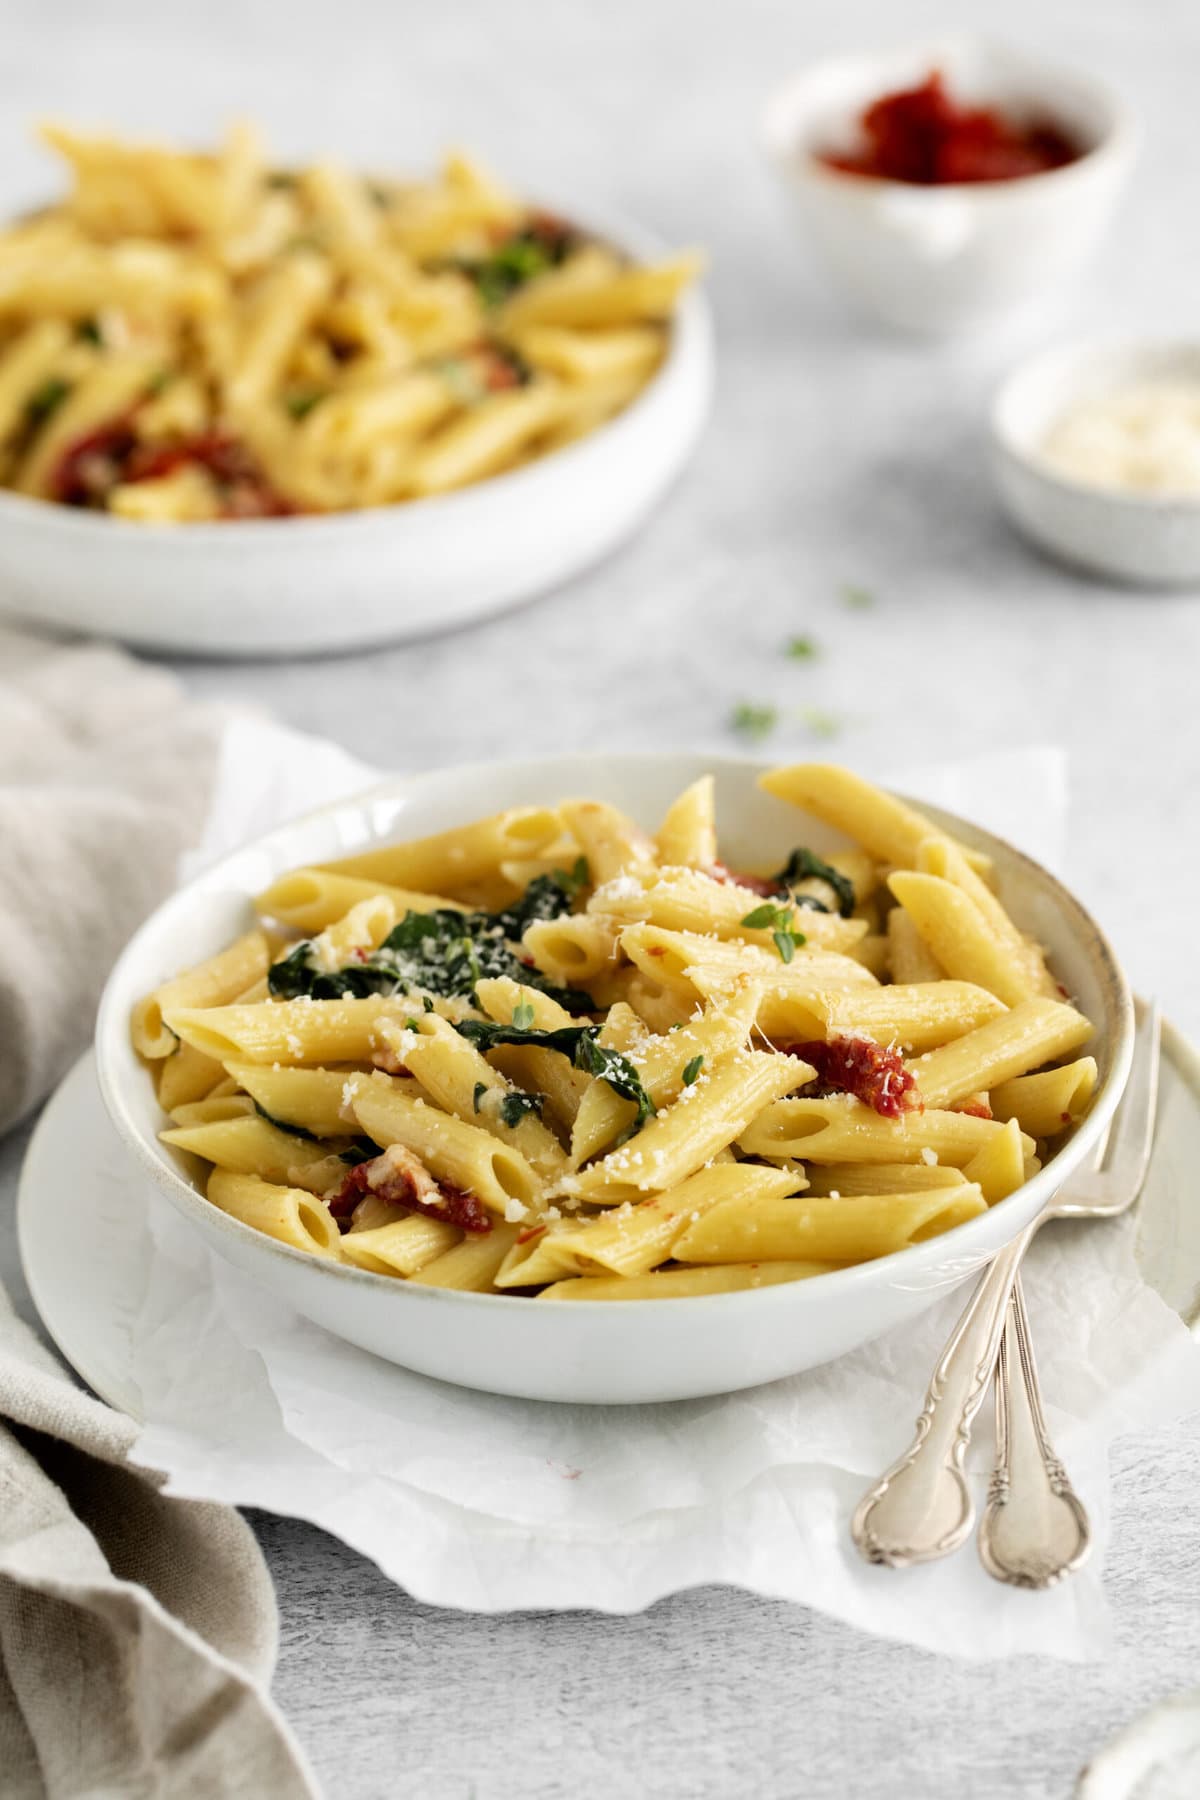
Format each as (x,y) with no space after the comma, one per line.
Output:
(246,410)
(606,1122)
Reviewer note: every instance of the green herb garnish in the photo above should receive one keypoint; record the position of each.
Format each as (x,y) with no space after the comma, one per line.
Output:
(692,1070)
(780,922)
(528,252)
(572,881)
(801,649)
(754,721)
(282,1125)
(858,599)
(46,399)
(300,401)
(160,381)
(361,1151)
(481,1088)
(88,332)
(517,1104)
(523,1015)
(442,952)
(578,1043)
(805,865)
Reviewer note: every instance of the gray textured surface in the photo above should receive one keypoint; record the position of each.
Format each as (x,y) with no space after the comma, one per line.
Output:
(834,456)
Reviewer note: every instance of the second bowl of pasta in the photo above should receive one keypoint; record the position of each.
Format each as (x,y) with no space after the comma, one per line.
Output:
(246,408)
(615,1078)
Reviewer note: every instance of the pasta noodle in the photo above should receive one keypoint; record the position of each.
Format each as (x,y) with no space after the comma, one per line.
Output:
(186,337)
(553,1052)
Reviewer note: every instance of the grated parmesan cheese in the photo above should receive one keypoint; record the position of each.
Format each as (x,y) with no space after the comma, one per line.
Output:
(1143,437)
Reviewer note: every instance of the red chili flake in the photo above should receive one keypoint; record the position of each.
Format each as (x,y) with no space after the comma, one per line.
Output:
(859,1066)
(1065,992)
(457,1206)
(976,1109)
(922,135)
(656,950)
(1065,1117)
(527,1237)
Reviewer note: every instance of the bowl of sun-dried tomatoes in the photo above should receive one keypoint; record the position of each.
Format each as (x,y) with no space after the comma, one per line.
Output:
(951,184)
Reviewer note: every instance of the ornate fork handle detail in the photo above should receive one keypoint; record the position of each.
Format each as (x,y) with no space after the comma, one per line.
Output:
(922,1507)
(1034,1529)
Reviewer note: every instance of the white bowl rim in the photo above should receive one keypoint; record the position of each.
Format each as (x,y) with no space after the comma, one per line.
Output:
(779,117)
(112,1027)
(1067,359)
(691,330)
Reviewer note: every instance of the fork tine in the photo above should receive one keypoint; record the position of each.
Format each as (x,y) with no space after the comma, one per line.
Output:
(1132,1136)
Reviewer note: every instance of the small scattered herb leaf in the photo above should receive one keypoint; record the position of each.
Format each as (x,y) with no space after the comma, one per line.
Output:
(692,1070)
(481,1088)
(754,720)
(820,722)
(858,599)
(523,1015)
(785,943)
(763,916)
(801,649)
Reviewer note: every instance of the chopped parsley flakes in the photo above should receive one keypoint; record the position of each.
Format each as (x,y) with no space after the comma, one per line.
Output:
(754,720)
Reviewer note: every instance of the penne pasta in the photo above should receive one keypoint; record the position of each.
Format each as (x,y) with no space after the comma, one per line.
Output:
(1047,1103)
(1031,1034)
(840,1129)
(854,1228)
(289,1215)
(546,1053)
(683,1284)
(210,984)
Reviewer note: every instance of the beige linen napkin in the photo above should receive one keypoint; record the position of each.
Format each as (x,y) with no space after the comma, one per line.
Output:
(137,1631)
(105,776)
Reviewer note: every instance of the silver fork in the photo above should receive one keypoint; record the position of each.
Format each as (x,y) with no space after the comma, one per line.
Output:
(921,1508)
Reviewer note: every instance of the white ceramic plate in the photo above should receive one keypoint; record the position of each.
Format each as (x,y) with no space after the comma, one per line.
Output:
(591,1351)
(84,1235)
(260,587)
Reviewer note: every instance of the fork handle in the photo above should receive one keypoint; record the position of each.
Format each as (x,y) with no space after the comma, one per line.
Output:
(1034,1529)
(922,1507)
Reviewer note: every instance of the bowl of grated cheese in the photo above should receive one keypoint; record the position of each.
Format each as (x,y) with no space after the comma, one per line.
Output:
(1096,451)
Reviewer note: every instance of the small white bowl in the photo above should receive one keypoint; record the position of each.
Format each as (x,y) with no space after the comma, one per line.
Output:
(592,1351)
(342,581)
(1147,539)
(936,260)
